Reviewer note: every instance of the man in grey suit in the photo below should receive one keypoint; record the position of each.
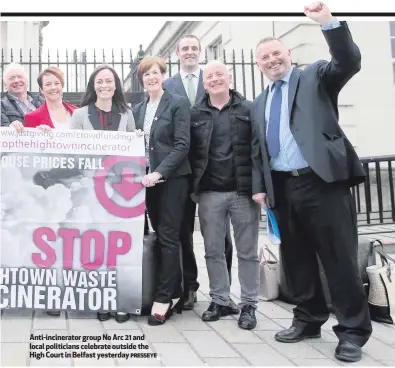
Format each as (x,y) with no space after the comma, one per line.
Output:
(303,168)
(189,83)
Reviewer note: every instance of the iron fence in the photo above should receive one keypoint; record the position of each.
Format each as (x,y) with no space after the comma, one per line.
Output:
(375,198)
(246,77)
(76,65)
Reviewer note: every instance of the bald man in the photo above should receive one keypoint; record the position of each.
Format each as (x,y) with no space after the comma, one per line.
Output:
(222,184)
(17,102)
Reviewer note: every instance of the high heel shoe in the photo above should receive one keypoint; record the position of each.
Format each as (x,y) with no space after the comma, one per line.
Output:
(157,319)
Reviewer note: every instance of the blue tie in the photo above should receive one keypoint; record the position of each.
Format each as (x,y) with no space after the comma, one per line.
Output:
(273,132)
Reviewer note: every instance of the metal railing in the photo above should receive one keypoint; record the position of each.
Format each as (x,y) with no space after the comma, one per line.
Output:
(246,77)
(77,66)
(375,198)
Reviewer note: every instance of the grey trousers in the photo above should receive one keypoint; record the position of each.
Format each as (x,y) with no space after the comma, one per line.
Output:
(214,208)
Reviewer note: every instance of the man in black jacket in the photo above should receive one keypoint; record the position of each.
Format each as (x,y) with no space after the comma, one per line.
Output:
(221,163)
(18,101)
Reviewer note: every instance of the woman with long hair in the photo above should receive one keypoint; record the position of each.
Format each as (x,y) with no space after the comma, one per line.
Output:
(103,107)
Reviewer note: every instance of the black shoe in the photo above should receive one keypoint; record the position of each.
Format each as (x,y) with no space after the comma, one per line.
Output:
(53,313)
(348,352)
(158,319)
(232,307)
(121,318)
(189,302)
(297,333)
(178,308)
(247,319)
(214,312)
(103,316)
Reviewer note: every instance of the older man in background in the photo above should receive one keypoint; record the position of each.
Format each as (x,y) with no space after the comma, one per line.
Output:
(17,101)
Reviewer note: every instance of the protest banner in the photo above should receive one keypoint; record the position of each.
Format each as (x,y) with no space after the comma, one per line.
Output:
(72,220)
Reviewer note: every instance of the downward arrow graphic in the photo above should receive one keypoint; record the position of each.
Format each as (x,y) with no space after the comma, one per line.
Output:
(128,188)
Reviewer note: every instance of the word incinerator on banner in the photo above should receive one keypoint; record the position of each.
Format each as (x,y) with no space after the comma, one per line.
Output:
(72,220)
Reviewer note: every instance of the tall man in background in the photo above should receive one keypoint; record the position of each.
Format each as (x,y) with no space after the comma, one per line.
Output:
(189,83)
(305,166)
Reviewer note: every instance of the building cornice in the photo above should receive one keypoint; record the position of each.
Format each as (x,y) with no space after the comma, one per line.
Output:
(157,36)
(184,28)
(178,32)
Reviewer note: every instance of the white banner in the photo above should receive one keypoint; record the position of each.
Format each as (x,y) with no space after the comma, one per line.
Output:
(72,220)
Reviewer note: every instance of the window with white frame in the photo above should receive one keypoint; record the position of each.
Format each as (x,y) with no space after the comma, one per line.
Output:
(392,35)
(215,49)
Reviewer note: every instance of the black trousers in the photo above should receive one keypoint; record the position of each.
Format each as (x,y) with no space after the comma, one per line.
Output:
(190,270)
(315,217)
(165,204)
(146,226)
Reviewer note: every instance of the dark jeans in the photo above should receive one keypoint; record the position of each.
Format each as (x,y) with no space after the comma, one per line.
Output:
(165,205)
(315,217)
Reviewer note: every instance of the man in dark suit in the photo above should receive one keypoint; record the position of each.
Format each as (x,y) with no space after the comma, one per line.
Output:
(189,83)
(303,168)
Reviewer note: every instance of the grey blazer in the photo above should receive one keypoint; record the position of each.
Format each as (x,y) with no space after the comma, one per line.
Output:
(87,118)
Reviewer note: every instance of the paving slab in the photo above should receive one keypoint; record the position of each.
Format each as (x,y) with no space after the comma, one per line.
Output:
(210,344)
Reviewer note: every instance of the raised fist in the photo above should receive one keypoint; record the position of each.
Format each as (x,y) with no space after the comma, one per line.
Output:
(318,12)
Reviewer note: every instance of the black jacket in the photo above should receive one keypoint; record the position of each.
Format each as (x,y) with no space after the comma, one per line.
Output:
(201,132)
(170,135)
(10,111)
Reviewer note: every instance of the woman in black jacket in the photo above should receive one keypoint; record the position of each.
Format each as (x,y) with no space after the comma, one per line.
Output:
(165,120)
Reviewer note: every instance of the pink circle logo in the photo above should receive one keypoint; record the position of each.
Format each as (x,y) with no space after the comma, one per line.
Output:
(128,188)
